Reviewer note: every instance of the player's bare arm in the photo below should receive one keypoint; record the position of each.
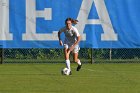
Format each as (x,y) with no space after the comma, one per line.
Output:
(78,40)
(60,41)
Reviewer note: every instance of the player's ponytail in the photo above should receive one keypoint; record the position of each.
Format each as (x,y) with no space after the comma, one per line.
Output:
(73,21)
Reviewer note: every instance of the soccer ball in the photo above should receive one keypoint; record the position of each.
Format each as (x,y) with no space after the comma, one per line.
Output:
(65,71)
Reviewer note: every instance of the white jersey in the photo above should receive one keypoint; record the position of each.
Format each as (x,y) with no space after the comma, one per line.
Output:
(70,35)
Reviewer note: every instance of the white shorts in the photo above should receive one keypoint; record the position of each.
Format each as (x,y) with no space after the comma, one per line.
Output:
(75,50)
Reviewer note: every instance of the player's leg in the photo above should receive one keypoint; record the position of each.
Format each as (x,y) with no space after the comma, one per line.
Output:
(75,57)
(66,54)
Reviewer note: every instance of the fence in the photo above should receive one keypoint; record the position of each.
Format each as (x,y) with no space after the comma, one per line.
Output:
(57,56)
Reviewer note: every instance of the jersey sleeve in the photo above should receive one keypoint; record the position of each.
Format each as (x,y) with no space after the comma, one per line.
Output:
(76,31)
(62,30)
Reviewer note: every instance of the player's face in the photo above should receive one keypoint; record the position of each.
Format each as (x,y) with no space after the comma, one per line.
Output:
(68,24)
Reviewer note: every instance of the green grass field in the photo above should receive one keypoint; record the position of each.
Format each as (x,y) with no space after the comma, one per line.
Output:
(93,78)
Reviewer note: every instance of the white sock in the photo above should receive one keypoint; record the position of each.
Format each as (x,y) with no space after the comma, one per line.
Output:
(68,64)
(79,62)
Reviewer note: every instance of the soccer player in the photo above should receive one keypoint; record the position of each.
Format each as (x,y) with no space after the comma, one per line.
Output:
(71,42)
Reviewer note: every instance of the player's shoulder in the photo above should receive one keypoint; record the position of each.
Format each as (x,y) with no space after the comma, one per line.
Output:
(74,28)
(63,28)
(75,31)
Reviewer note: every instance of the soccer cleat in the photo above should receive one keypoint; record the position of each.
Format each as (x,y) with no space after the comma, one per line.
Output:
(79,67)
(70,73)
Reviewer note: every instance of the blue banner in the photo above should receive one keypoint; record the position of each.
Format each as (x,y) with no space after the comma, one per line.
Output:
(102,23)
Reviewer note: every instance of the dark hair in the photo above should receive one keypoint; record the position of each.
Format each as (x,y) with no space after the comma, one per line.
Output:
(73,21)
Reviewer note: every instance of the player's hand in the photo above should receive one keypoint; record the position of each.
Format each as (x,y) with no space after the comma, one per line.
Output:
(60,42)
(71,48)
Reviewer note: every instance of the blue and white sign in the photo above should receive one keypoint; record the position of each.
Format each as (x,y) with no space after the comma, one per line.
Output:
(102,23)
